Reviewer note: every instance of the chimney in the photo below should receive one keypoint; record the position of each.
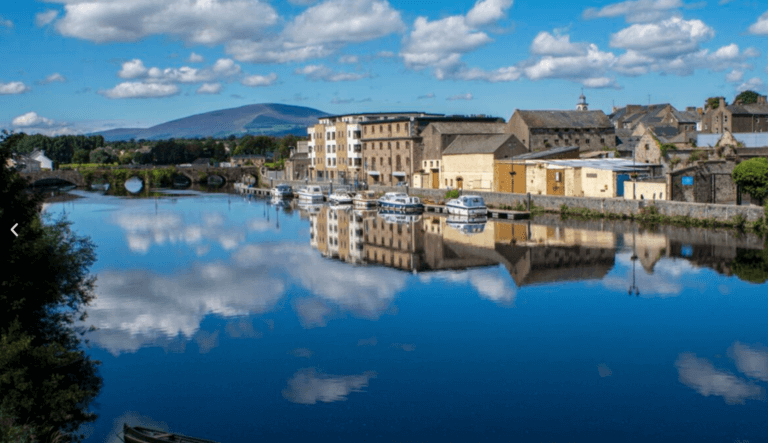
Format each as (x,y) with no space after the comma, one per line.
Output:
(761,100)
(722,102)
(690,109)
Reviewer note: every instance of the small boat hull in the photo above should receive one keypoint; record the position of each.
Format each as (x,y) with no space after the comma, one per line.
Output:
(471,212)
(139,434)
(400,207)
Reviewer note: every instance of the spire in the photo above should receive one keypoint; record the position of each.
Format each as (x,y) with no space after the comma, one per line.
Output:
(582,105)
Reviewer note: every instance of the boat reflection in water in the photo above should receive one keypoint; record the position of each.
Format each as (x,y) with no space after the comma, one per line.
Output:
(467,224)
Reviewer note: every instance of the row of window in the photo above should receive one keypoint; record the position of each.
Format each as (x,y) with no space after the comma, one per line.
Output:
(397,162)
(381,128)
(372,145)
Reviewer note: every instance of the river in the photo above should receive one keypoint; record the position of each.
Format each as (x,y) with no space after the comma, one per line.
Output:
(234,320)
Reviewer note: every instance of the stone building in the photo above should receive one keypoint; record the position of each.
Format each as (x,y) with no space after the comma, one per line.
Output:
(705,182)
(654,116)
(736,118)
(539,130)
(468,161)
(297,164)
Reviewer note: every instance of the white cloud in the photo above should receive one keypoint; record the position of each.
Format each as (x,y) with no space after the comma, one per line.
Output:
(510,73)
(195,58)
(440,43)
(753,84)
(760,27)
(385,54)
(302,2)
(750,361)
(31,119)
(486,12)
(307,386)
(259,80)
(275,51)
(5,23)
(349,59)
(203,22)
(45,17)
(669,38)
(584,68)
(699,374)
(13,88)
(209,88)
(600,83)
(55,77)
(466,96)
(425,96)
(132,69)
(140,90)
(548,44)
(321,72)
(635,10)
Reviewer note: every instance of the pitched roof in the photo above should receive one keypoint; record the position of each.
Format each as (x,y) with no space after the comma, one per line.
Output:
(468,127)
(751,109)
(546,153)
(478,144)
(565,119)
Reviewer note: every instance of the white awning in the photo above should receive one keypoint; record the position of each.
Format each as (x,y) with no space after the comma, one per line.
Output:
(398,174)
(373,173)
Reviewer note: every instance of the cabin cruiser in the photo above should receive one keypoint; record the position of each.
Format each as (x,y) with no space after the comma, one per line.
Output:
(399,218)
(400,201)
(473,205)
(365,200)
(282,191)
(341,197)
(312,193)
(467,224)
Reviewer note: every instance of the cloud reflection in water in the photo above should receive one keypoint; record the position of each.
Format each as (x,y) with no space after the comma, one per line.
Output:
(307,387)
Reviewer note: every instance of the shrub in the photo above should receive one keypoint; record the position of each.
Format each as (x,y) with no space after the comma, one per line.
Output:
(666,147)
(752,176)
(739,221)
(452,194)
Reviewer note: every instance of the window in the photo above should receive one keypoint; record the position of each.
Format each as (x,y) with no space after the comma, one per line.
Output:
(647,146)
(381,146)
(381,128)
(398,127)
(389,127)
(397,145)
(587,141)
(602,141)
(446,182)
(430,163)
(389,145)
(390,160)
(557,177)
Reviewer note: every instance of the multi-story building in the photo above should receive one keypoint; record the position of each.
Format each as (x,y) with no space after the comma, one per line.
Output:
(736,118)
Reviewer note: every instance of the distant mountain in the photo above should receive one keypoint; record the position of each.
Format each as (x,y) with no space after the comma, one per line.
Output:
(262,119)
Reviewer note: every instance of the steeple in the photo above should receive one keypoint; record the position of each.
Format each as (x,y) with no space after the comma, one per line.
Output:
(582,105)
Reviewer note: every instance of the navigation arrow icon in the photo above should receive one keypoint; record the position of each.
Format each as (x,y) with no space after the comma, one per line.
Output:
(12,230)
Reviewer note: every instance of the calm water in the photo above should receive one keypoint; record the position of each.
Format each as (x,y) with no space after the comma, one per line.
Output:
(237,321)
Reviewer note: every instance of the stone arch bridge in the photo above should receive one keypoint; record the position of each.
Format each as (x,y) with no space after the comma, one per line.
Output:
(75,177)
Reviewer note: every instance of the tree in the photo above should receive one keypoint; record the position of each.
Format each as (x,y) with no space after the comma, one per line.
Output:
(746,98)
(46,379)
(751,265)
(752,176)
(714,102)
(102,156)
(81,156)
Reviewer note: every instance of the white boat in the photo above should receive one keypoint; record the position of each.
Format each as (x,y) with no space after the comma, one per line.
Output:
(467,205)
(341,197)
(400,201)
(365,200)
(282,191)
(399,218)
(467,225)
(312,193)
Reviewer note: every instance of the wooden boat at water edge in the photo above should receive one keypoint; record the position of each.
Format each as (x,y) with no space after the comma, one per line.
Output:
(140,434)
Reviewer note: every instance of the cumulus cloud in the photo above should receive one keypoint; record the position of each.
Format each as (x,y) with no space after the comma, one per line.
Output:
(700,375)
(31,119)
(55,77)
(635,10)
(307,386)
(343,22)
(548,44)
(45,17)
(5,23)
(589,68)
(753,84)
(209,22)
(323,73)
(132,69)
(195,58)
(349,59)
(140,90)
(760,27)
(259,80)
(486,12)
(466,96)
(668,38)
(13,88)
(209,88)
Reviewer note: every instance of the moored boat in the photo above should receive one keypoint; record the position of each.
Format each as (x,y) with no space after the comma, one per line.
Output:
(140,434)
(472,205)
(311,193)
(365,200)
(341,197)
(400,201)
(467,224)
(399,218)
(282,191)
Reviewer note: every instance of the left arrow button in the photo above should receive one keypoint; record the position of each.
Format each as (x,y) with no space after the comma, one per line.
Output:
(12,230)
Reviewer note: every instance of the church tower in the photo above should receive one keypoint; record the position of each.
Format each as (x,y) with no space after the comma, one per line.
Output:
(582,105)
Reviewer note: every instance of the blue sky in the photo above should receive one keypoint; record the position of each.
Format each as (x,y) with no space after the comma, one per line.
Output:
(73,66)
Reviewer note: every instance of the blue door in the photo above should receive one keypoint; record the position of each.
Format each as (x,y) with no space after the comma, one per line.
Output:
(620,179)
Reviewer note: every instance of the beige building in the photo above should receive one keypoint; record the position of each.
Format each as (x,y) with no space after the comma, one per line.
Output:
(646,190)
(468,162)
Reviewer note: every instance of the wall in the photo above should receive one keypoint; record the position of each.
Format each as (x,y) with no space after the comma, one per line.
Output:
(536,178)
(645,190)
(598,183)
(470,167)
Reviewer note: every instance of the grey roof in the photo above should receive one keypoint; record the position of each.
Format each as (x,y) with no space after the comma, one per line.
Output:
(469,127)
(609,164)
(546,153)
(565,119)
(748,109)
(665,131)
(652,115)
(477,144)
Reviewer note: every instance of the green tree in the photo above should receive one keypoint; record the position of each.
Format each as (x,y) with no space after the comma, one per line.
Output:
(746,98)
(714,102)
(752,176)
(102,156)
(751,265)
(46,379)
(81,156)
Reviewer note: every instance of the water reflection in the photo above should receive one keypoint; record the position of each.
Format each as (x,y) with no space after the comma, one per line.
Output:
(134,185)
(701,375)
(308,386)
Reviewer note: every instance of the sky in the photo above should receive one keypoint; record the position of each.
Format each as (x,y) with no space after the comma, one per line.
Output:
(76,66)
